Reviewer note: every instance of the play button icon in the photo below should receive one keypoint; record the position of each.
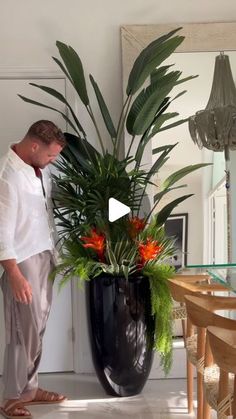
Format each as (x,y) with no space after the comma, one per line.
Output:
(116,209)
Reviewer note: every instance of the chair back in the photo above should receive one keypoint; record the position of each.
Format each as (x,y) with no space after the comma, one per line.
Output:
(223,347)
(201,310)
(179,288)
(193,278)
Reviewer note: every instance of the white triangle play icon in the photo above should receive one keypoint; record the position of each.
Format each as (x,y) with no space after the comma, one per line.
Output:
(116,209)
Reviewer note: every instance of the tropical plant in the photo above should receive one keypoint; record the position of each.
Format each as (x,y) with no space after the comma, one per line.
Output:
(87,178)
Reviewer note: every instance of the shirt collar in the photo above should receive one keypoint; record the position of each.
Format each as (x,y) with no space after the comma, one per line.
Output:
(36,169)
(19,163)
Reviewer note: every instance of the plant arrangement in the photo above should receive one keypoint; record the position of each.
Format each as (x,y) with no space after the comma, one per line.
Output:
(87,177)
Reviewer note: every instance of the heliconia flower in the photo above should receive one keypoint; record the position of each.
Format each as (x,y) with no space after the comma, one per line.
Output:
(96,242)
(149,250)
(136,225)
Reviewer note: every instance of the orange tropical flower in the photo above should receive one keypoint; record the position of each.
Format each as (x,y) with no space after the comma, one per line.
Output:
(96,242)
(136,225)
(149,250)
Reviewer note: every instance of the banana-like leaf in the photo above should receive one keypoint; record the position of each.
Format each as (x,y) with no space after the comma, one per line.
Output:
(74,67)
(175,124)
(146,138)
(83,153)
(169,80)
(166,79)
(145,107)
(59,63)
(158,73)
(179,174)
(165,212)
(103,108)
(160,121)
(64,116)
(157,197)
(186,79)
(161,148)
(160,161)
(62,99)
(150,58)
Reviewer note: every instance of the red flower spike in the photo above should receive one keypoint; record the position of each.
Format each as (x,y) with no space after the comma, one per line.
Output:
(96,242)
(149,250)
(136,225)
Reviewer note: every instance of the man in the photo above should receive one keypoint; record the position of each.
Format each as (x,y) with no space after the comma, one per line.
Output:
(26,254)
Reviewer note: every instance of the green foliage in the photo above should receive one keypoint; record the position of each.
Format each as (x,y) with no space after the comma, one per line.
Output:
(161,303)
(87,177)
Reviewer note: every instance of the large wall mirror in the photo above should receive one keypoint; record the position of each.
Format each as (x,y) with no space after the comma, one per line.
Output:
(207,236)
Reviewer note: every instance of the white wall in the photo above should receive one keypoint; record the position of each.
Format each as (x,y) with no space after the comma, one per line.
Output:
(29,30)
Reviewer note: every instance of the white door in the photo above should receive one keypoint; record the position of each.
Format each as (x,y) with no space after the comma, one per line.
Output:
(218,225)
(16,117)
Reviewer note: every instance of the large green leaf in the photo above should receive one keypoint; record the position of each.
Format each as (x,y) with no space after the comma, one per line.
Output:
(160,161)
(104,110)
(145,107)
(158,196)
(150,58)
(160,121)
(62,99)
(62,67)
(42,105)
(179,174)
(83,151)
(158,73)
(165,212)
(172,76)
(146,137)
(161,148)
(175,124)
(75,69)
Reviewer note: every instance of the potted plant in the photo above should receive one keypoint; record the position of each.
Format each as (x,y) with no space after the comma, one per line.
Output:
(124,263)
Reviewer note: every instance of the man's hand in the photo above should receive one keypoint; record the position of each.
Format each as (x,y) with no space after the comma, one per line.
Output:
(21,288)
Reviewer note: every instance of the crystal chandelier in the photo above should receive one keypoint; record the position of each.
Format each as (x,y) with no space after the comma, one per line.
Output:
(215,127)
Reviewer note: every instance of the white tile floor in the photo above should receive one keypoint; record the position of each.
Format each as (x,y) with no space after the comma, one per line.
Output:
(160,399)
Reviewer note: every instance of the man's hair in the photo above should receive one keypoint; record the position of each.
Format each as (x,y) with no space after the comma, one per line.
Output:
(47,132)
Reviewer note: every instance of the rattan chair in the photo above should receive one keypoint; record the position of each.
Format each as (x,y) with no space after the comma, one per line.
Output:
(223,347)
(180,286)
(201,313)
(179,312)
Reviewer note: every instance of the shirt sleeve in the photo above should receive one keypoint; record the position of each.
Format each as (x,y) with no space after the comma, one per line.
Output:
(8,216)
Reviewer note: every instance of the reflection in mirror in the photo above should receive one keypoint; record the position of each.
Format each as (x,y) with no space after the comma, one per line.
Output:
(207,236)
(207,184)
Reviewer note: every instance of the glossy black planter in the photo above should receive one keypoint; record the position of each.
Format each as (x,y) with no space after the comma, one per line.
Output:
(121,332)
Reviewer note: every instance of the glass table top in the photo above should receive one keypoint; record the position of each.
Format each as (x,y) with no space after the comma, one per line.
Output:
(223,273)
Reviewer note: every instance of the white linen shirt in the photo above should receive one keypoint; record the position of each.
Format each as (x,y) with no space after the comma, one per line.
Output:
(25,222)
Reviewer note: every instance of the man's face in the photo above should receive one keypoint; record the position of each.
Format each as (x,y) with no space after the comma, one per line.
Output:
(44,154)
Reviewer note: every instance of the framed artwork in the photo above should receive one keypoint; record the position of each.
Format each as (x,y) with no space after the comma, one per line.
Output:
(176,226)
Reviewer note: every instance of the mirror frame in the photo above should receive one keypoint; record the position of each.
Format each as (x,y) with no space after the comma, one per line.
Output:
(198,37)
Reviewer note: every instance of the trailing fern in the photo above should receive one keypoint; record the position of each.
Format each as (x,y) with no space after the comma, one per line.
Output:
(161,304)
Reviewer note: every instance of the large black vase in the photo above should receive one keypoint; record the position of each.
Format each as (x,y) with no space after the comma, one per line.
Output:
(121,332)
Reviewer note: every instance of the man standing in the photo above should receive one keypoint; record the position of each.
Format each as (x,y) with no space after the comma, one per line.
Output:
(26,254)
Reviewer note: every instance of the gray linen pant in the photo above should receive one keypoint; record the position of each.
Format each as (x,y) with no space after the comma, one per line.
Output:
(25,327)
